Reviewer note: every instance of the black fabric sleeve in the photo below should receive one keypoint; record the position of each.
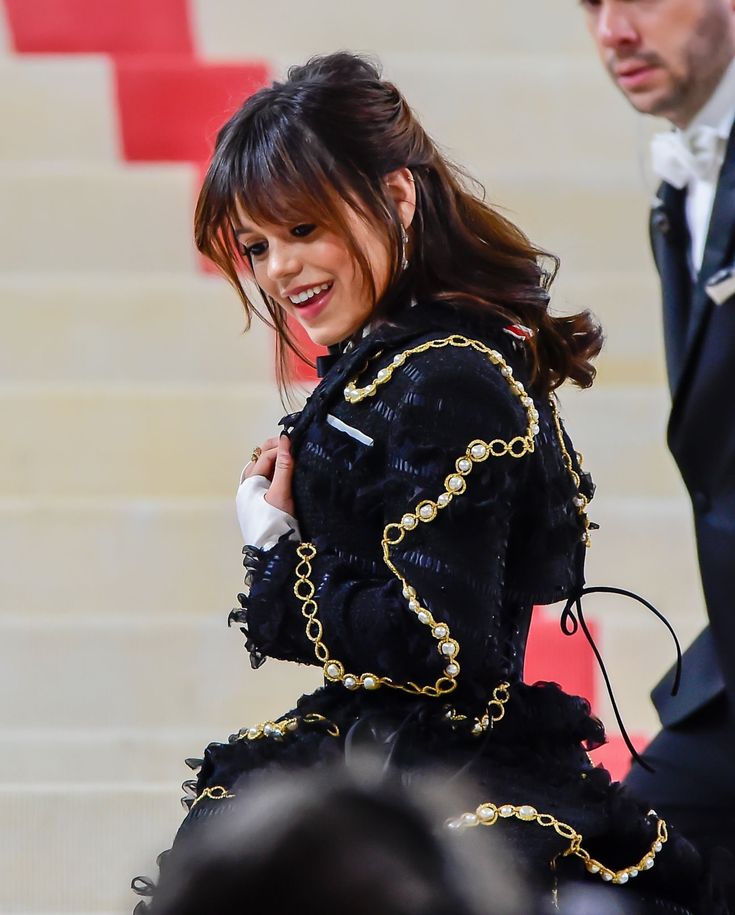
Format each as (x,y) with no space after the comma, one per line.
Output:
(444,401)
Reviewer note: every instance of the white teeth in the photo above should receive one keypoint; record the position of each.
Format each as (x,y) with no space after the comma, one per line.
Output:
(308,293)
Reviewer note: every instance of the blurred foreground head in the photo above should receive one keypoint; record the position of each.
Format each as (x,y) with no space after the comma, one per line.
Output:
(332,844)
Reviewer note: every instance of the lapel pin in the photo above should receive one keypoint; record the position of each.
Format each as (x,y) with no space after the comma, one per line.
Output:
(721,286)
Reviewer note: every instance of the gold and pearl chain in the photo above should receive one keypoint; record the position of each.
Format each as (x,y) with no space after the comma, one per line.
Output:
(580,500)
(488,814)
(424,512)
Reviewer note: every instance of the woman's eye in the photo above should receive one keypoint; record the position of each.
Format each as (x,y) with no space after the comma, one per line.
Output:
(254,250)
(301,231)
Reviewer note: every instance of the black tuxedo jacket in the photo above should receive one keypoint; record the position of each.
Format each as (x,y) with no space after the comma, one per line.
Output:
(700,357)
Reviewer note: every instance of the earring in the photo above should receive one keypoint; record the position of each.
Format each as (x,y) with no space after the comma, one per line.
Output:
(404,247)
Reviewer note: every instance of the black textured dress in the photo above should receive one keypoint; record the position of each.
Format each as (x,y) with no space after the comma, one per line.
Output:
(439,499)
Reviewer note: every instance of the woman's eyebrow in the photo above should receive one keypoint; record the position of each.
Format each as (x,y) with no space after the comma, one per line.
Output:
(241,230)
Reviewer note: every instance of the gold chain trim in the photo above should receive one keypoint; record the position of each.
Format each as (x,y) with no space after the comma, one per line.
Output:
(217,793)
(495,711)
(488,814)
(426,511)
(518,446)
(277,730)
(580,500)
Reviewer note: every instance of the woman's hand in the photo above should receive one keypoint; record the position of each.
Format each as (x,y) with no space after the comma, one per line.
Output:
(275,464)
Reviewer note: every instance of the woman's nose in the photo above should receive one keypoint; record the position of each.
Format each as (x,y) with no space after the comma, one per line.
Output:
(283,263)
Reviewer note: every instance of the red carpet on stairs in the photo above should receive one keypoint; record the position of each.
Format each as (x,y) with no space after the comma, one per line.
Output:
(170,108)
(100,26)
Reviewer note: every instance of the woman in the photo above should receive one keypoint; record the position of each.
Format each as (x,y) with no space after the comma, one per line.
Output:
(405,523)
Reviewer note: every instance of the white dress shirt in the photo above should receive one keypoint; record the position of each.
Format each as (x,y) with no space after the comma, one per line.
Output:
(716,117)
(261,523)
(718,113)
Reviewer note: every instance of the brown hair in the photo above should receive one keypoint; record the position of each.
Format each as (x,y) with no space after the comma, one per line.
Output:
(295,150)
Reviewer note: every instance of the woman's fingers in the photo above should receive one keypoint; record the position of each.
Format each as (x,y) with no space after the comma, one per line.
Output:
(265,462)
(279,493)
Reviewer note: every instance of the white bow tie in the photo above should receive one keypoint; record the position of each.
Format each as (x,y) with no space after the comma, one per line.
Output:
(678,158)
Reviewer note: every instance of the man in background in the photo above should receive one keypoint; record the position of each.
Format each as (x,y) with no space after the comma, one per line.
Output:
(676,59)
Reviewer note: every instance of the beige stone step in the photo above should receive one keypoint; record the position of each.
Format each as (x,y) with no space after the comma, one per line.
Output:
(151,667)
(118,557)
(621,431)
(96,218)
(5,42)
(588,223)
(123,328)
(134,440)
(192,440)
(55,108)
(628,307)
(181,327)
(60,755)
(225,29)
(92,841)
(170,672)
(522,111)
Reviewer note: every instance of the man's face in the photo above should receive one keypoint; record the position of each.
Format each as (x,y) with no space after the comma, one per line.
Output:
(666,56)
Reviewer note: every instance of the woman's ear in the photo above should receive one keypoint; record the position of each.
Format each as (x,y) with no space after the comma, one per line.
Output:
(401,188)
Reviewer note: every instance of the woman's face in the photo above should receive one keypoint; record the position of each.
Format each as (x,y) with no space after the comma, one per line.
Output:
(310,273)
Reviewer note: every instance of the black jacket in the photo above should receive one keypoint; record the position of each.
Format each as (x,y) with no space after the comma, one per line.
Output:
(511,540)
(700,354)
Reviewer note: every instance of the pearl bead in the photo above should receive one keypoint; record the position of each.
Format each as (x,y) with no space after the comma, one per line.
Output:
(622,878)
(456,483)
(270,730)
(505,371)
(526,400)
(348,392)
(253,733)
(469,819)
(399,359)
(454,824)
(464,465)
(451,670)
(486,813)
(634,872)
(350,682)
(441,631)
(443,500)
(657,847)
(292,725)
(370,683)
(423,617)
(506,811)
(333,670)
(607,877)
(449,649)
(647,864)
(426,511)
(479,452)
(593,868)
(414,605)
(409,522)
(409,592)
(383,374)
(535,428)
(526,812)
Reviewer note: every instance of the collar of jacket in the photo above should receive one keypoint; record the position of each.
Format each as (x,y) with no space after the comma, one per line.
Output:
(422,319)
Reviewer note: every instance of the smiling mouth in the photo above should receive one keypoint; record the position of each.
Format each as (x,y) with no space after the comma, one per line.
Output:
(309,307)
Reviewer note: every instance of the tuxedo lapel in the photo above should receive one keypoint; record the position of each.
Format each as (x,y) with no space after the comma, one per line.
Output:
(717,254)
(670,243)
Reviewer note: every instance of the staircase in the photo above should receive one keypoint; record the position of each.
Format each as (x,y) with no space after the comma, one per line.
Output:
(130,398)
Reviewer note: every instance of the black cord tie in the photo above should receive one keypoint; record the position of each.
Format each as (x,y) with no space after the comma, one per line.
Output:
(570,624)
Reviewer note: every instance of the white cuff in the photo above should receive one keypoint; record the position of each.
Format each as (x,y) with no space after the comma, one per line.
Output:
(262,524)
